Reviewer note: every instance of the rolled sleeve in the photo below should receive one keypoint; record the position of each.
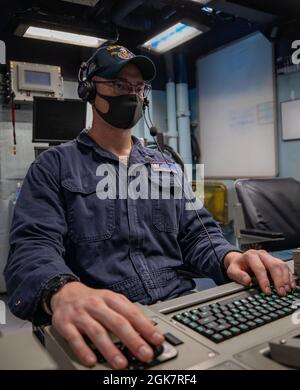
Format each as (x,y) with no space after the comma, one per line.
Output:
(36,241)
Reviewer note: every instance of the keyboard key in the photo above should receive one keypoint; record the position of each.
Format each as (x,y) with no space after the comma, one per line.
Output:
(266,318)
(259,321)
(221,327)
(226,313)
(277,306)
(206,320)
(217,337)
(268,308)
(208,332)
(249,317)
(213,325)
(244,313)
(230,306)
(262,294)
(237,303)
(192,325)
(263,311)
(281,313)
(214,306)
(235,331)
(227,334)
(256,313)
(274,316)
(186,321)
(178,317)
(200,329)
(204,314)
(233,322)
(243,327)
(229,318)
(204,308)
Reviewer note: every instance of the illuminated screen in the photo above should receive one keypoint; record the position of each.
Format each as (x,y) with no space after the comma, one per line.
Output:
(37,78)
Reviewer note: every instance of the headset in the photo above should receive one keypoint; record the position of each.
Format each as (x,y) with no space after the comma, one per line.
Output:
(87,88)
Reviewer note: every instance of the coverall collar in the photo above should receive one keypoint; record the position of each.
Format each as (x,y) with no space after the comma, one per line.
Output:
(138,154)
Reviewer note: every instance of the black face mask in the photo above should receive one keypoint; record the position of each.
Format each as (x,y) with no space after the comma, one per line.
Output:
(124,111)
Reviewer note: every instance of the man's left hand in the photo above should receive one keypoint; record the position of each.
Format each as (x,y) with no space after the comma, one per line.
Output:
(242,266)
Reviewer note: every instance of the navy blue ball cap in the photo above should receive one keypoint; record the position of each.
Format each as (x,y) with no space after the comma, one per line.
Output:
(108,61)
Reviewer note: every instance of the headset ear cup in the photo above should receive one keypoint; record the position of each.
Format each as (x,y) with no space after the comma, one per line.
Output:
(82,90)
(86,90)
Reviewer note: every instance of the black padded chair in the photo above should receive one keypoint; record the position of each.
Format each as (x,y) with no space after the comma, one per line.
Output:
(271,210)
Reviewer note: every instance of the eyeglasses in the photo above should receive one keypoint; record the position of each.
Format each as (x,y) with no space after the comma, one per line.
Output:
(123,87)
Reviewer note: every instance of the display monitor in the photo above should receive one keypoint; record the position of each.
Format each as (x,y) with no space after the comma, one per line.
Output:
(57,120)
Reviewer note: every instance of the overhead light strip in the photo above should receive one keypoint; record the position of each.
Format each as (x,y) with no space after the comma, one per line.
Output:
(172,37)
(203,2)
(63,37)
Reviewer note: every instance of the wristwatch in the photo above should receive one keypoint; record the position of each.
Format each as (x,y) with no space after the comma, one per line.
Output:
(53,286)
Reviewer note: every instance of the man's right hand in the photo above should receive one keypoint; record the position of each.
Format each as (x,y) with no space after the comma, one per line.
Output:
(79,310)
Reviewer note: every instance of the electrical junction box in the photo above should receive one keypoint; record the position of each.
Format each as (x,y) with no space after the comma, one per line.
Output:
(29,80)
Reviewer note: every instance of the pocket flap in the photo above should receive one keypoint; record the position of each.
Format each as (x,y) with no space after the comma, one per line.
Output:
(81,185)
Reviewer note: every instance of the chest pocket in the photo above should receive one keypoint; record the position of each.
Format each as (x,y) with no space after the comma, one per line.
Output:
(165,212)
(90,219)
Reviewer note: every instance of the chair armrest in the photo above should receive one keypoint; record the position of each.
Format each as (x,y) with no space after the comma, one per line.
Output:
(262,233)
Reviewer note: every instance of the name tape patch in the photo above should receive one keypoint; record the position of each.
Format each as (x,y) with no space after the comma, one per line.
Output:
(163,167)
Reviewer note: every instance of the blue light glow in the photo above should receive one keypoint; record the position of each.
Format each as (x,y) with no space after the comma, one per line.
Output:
(172,37)
(168,35)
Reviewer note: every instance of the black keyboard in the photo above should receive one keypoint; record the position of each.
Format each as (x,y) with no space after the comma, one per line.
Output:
(231,317)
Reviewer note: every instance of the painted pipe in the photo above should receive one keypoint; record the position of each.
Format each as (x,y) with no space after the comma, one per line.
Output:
(171,102)
(171,112)
(183,111)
